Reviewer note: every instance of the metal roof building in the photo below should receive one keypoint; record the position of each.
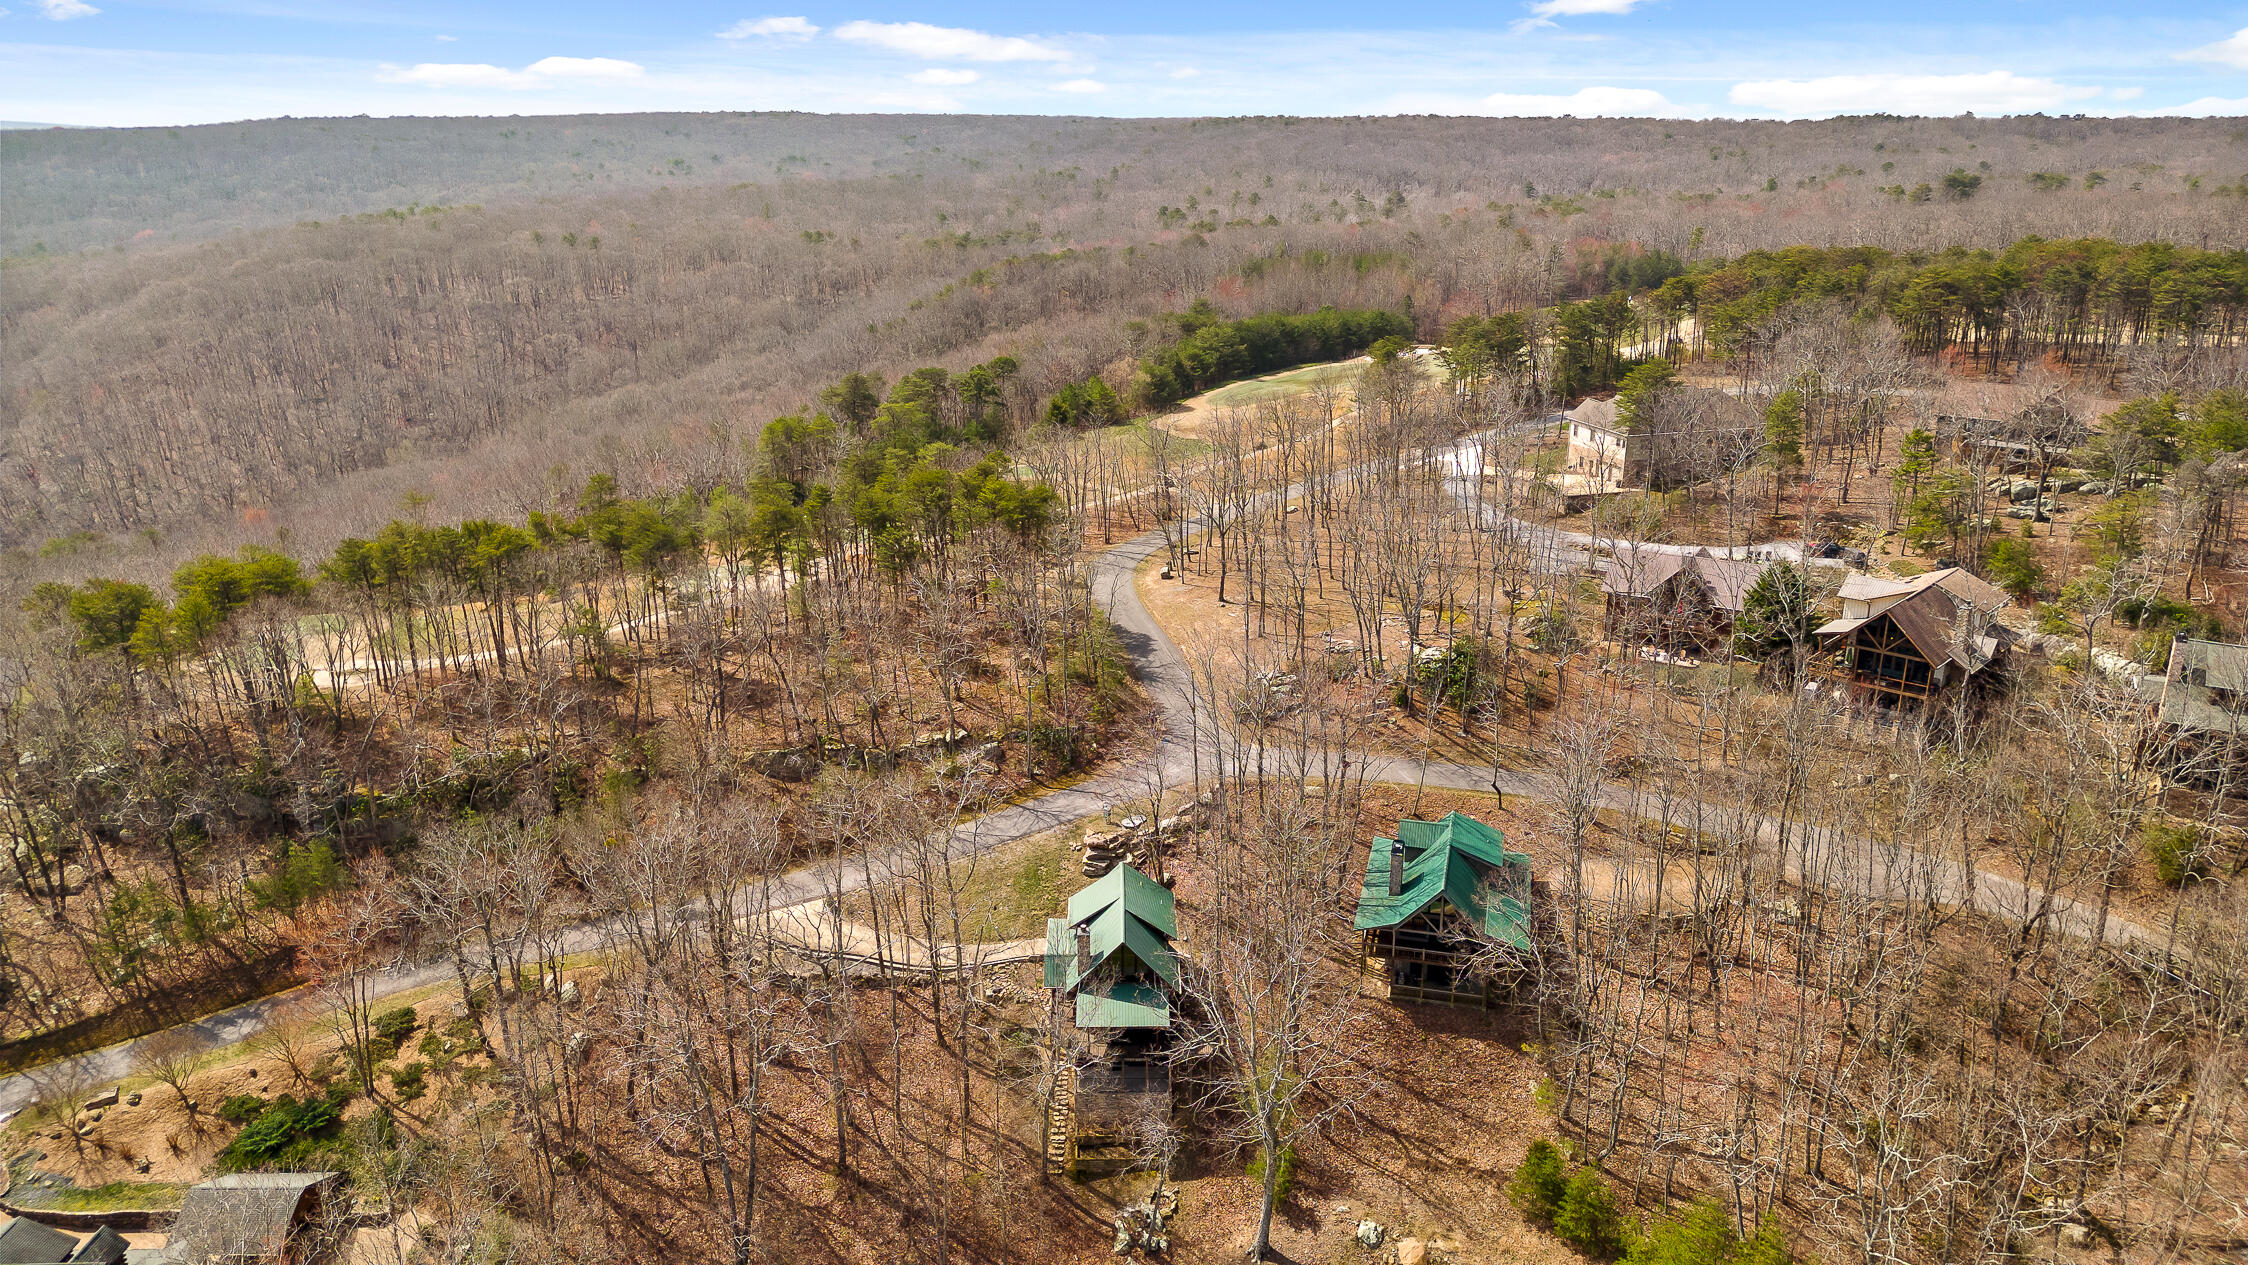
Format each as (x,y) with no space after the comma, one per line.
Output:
(1112,951)
(1456,859)
(2205,688)
(1111,955)
(245,1217)
(26,1242)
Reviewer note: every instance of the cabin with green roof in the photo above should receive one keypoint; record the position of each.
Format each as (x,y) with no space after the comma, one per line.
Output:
(1444,912)
(1112,969)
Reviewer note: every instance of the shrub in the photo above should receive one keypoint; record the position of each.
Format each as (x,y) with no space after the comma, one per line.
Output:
(304,874)
(2014,566)
(241,1108)
(1284,1181)
(1587,1218)
(1451,676)
(1055,744)
(410,1081)
(287,1131)
(395,1026)
(366,1058)
(1539,1183)
(436,1052)
(1700,1235)
(1777,613)
(1554,632)
(2162,620)
(1768,1246)
(2176,852)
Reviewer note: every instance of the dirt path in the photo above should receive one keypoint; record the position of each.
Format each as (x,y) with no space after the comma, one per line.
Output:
(812,930)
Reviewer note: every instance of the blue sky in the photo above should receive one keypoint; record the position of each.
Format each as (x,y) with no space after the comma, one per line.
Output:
(125,62)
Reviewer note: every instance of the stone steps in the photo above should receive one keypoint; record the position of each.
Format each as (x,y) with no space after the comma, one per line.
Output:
(1061,1121)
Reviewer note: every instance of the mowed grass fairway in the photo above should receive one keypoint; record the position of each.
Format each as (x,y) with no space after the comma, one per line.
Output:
(1301,380)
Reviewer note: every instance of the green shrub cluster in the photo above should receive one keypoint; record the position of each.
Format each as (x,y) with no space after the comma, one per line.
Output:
(1581,1211)
(241,1108)
(410,1081)
(1575,1204)
(1703,1234)
(1539,1182)
(1451,677)
(2175,851)
(2013,565)
(1284,1181)
(287,1133)
(394,1026)
(1587,1218)
(1206,349)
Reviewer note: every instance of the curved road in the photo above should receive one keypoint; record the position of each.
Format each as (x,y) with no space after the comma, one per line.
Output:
(1879,870)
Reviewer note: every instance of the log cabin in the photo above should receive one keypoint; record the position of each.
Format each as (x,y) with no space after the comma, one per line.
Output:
(1444,913)
(1678,602)
(1903,642)
(1110,963)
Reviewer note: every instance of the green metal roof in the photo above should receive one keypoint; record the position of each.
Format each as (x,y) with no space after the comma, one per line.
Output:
(1122,1004)
(1143,897)
(1458,860)
(1129,921)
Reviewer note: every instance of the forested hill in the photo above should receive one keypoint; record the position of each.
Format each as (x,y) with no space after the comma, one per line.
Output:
(68,189)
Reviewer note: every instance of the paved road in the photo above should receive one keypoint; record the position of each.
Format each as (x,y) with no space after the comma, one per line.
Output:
(1558,550)
(1161,666)
(1185,749)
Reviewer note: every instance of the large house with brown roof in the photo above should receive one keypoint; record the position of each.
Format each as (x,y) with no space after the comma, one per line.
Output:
(1901,641)
(1679,601)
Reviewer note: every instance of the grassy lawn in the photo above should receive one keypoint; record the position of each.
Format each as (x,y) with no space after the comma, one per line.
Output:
(1300,380)
(1283,384)
(1135,439)
(109,1197)
(1020,886)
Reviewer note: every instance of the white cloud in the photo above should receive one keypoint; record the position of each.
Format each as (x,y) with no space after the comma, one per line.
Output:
(584,68)
(2229,52)
(1592,102)
(947,43)
(65,10)
(1081,86)
(1185,72)
(545,72)
(1986,92)
(446,39)
(2204,108)
(1579,8)
(770,29)
(941,77)
(2126,94)
(455,75)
